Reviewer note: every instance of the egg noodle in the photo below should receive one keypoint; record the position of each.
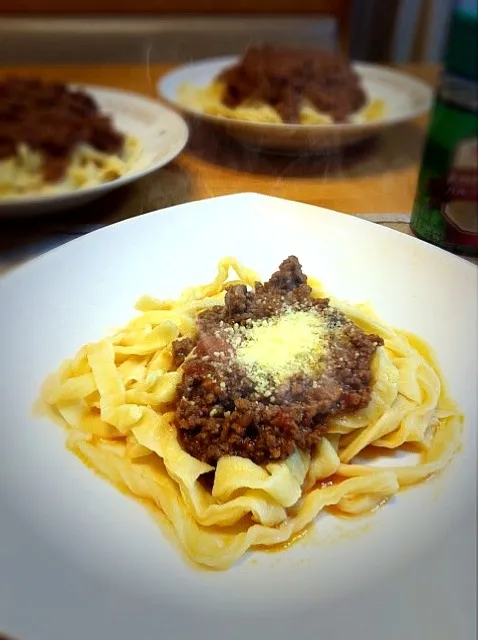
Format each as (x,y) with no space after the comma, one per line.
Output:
(117,396)
(22,174)
(209,100)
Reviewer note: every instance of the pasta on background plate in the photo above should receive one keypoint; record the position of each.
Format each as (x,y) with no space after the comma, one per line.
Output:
(235,447)
(23,173)
(209,100)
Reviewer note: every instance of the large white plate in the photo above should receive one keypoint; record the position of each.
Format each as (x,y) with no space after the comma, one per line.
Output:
(404,96)
(161,132)
(80,560)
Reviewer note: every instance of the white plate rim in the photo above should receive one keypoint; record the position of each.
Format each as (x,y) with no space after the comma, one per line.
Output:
(413,240)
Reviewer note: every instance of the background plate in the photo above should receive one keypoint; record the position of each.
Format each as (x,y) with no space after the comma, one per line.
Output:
(161,132)
(404,96)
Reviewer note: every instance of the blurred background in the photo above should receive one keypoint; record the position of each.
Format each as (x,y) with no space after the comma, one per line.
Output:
(134,31)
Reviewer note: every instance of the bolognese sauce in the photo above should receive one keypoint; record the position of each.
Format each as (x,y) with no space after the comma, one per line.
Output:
(267,369)
(284,77)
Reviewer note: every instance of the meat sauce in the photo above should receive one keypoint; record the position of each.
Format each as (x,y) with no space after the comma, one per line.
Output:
(284,78)
(226,408)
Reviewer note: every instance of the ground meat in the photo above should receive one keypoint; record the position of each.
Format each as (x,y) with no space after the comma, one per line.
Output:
(53,119)
(220,411)
(181,349)
(284,78)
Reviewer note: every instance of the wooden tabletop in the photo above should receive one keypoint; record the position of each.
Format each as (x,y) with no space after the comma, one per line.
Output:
(374,178)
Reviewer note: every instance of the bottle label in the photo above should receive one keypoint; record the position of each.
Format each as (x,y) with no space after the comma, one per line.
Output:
(446,205)
(460,206)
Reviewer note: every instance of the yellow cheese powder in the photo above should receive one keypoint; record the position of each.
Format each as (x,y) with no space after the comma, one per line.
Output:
(274,349)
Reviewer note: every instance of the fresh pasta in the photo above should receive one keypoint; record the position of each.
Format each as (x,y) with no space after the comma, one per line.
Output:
(22,174)
(120,399)
(209,100)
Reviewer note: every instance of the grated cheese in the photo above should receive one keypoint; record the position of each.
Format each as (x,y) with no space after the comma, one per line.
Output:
(273,349)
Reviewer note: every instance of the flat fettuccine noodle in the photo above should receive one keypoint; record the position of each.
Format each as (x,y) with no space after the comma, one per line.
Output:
(22,173)
(117,399)
(210,100)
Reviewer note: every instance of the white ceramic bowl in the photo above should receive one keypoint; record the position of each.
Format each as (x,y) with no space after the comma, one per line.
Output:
(162,134)
(405,98)
(78,559)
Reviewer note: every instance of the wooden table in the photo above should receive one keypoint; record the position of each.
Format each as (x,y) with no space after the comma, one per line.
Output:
(375,178)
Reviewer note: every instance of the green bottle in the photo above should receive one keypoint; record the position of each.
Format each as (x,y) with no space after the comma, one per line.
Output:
(445,211)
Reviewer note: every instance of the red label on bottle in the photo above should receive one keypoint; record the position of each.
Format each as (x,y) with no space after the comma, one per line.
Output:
(459,206)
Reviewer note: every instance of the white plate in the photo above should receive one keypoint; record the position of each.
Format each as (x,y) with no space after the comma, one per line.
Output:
(404,96)
(80,560)
(161,132)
